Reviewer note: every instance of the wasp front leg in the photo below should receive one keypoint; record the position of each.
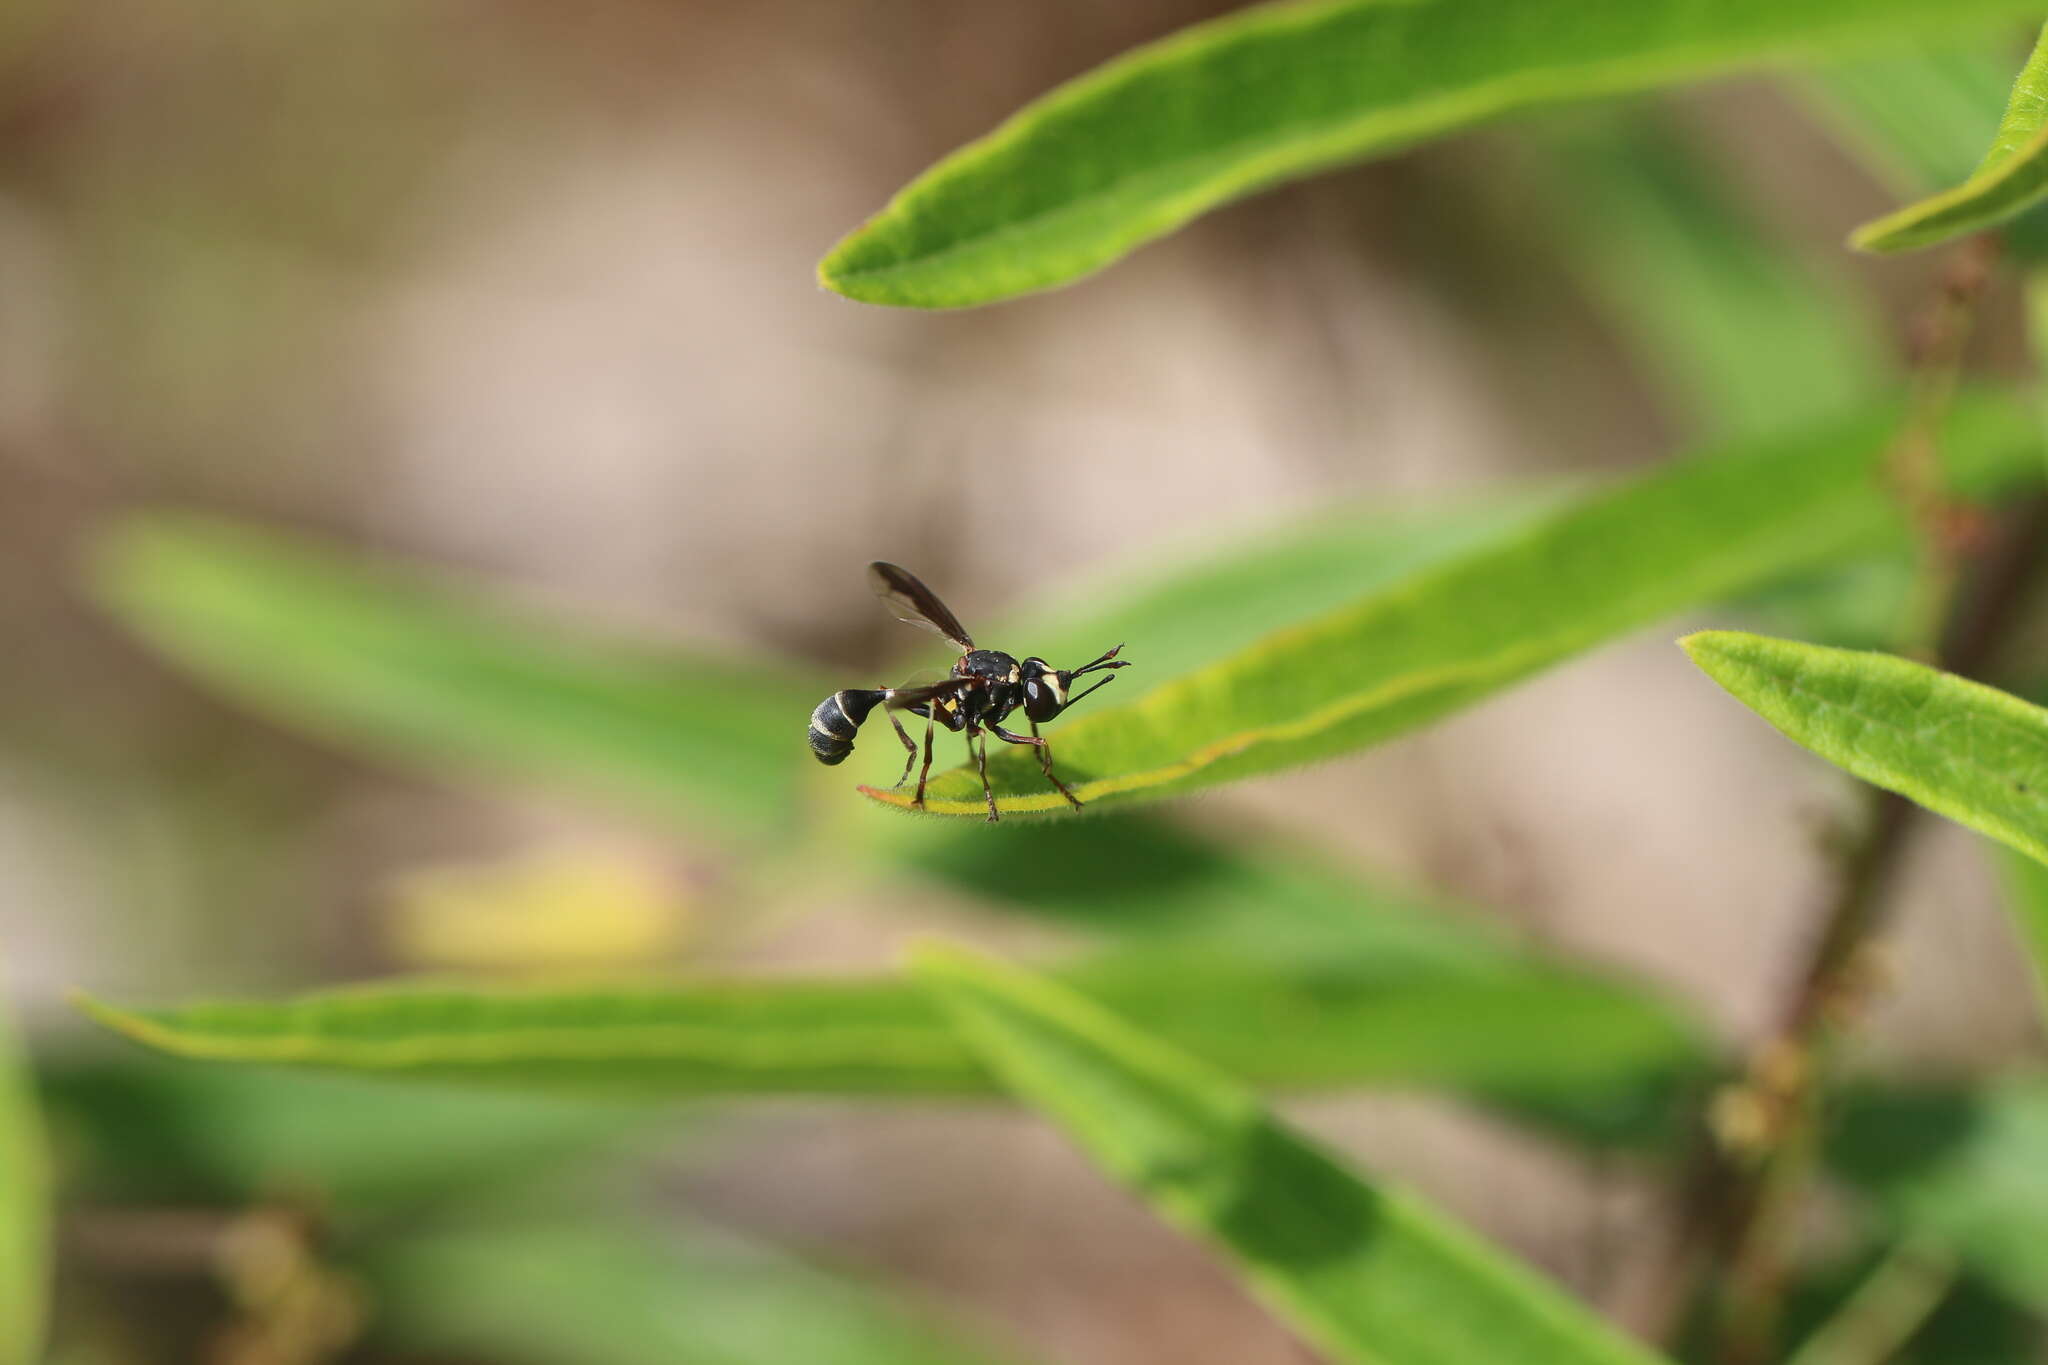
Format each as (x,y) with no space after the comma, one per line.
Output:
(1044,747)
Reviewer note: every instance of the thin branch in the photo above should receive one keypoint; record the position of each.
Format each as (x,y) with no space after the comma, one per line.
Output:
(1753,1157)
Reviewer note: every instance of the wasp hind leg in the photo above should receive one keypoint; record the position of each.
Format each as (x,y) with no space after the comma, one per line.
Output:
(909,745)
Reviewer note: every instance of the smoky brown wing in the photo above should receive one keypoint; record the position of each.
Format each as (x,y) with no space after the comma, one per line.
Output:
(916,604)
(902,698)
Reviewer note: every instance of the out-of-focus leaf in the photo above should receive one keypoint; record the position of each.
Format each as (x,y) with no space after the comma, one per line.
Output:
(1747,338)
(1857,605)
(2010,178)
(605,1293)
(1959,748)
(1366,1272)
(1971,1324)
(158,1130)
(420,671)
(1707,529)
(1963,1169)
(24,1207)
(1305,1024)
(1142,145)
(1131,876)
(1918,118)
(2026,897)
(1884,1311)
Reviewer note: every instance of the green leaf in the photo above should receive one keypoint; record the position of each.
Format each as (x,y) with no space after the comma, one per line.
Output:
(1396,658)
(1142,145)
(1132,877)
(2012,176)
(1745,337)
(1918,118)
(590,1292)
(1336,1022)
(169,1131)
(1967,1170)
(1884,1312)
(1366,1272)
(2026,897)
(420,671)
(1959,748)
(1195,605)
(24,1207)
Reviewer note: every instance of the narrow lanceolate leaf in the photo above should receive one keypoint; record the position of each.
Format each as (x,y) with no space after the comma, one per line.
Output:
(1462,629)
(1918,119)
(1146,143)
(2012,176)
(138,1130)
(1462,1024)
(24,1208)
(610,1291)
(1959,748)
(415,669)
(1744,336)
(1366,1272)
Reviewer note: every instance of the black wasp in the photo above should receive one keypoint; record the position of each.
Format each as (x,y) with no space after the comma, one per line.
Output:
(986,685)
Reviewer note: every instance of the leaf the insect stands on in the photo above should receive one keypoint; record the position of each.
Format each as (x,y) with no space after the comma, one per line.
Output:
(1718,526)
(1365,1272)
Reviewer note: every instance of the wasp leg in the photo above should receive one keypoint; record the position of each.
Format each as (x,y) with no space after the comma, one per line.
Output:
(1044,756)
(981,766)
(909,745)
(917,801)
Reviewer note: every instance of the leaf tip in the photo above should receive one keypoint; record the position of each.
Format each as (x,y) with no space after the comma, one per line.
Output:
(1705,642)
(847,271)
(113,1018)
(1878,237)
(831,274)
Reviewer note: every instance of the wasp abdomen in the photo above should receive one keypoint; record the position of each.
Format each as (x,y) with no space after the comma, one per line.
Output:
(837,720)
